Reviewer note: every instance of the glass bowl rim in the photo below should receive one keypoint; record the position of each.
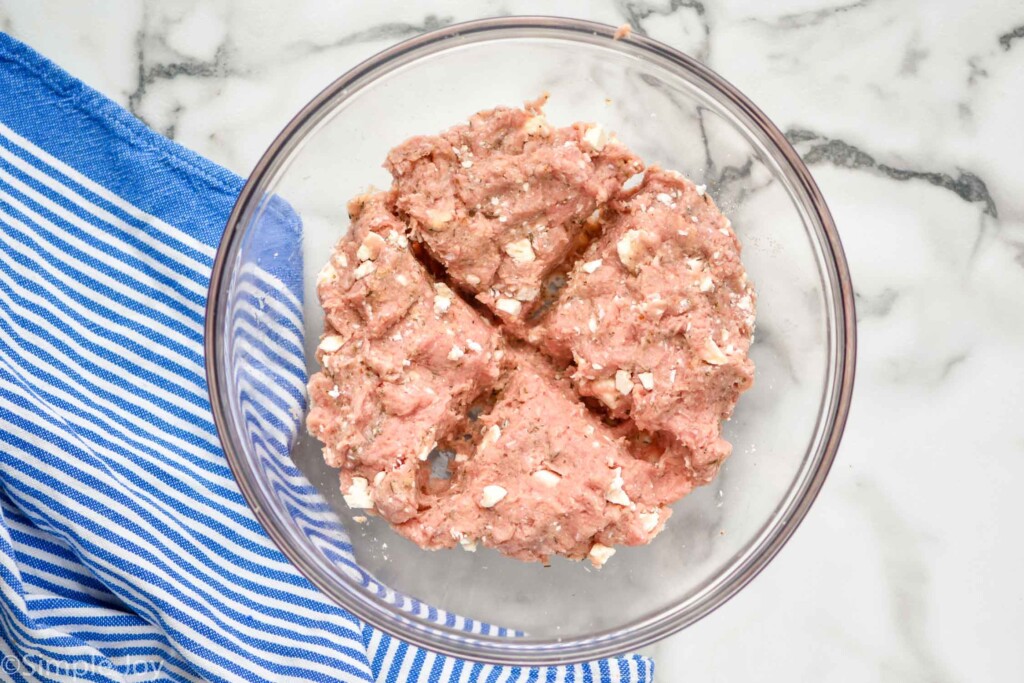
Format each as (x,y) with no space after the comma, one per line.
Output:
(506,651)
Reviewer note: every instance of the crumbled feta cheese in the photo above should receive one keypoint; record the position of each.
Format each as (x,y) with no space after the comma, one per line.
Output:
(473,280)
(492,435)
(358,494)
(327,274)
(398,239)
(745,303)
(646,380)
(547,478)
(605,391)
(596,137)
(701,189)
(442,298)
(649,520)
(615,493)
(456,353)
(712,355)
(493,494)
(510,306)
(473,346)
(467,164)
(527,293)
(331,343)
(592,266)
(694,263)
(521,251)
(436,218)
(630,249)
(425,453)
(623,382)
(665,199)
(359,519)
(592,324)
(536,125)
(378,478)
(370,248)
(335,392)
(401,279)
(706,284)
(600,554)
(364,269)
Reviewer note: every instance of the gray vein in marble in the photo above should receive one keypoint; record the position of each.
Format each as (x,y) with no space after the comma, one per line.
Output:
(912,59)
(966,185)
(877,305)
(6,25)
(150,74)
(393,31)
(636,12)
(813,17)
(908,575)
(1006,40)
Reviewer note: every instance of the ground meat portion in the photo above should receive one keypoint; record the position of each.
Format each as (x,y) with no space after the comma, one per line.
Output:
(570,418)
(657,318)
(500,200)
(402,358)
(547,478)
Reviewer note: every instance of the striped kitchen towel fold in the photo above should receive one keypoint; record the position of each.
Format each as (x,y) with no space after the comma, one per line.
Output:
(126,550)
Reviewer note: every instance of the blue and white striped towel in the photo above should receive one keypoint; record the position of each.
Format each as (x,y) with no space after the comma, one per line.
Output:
(126,550)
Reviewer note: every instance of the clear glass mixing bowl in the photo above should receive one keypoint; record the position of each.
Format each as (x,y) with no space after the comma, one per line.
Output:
(264,320)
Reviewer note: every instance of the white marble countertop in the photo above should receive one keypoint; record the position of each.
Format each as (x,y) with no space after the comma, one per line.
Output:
(907,568)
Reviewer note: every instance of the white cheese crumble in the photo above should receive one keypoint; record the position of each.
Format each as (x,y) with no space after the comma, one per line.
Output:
(358,494)
(629,249)
(510,306)
(492,435)
(536,125)
(493,494)
(600,554)
(712,355)
(442,298)
(546,478)
(473,346)
(331,343)
(467,164)
(596,137)
(473,280)
(623,382)
(605,391)
(646,380)
(456,353)
(665,199)
(328,274)
(706,284)
(364,269)
(701,189)
(615,493)
(521,251)
(401,279)
(468,544)
(649,521)
(378,478)
(592,266)
(370,248)
(335,392)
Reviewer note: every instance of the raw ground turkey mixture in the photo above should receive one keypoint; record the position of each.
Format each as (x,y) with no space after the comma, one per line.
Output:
(571,417)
